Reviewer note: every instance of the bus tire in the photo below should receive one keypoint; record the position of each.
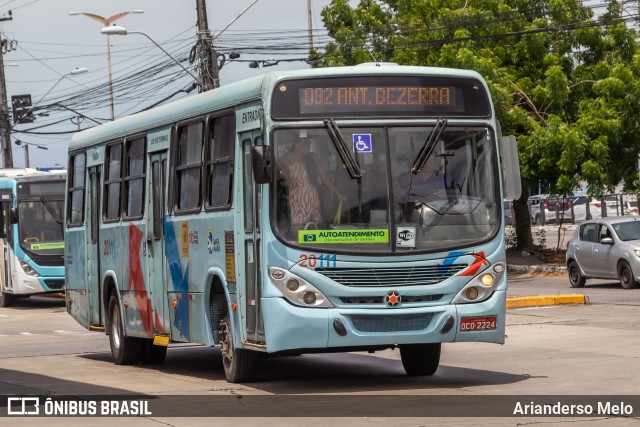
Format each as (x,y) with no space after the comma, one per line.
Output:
(239,364)
(420,359)
(152,354)
(6,300)
(124,350)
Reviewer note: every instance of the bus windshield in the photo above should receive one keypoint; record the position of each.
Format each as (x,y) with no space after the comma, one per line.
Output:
(451,200)
(40,226)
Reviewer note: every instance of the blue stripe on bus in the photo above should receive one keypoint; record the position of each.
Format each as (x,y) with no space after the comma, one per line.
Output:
(450,259)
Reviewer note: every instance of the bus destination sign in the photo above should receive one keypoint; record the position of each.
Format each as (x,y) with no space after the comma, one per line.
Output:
(382,96)
(316,99)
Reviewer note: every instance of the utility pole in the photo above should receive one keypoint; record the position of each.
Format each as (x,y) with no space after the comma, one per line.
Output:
(310,27)
(5,127)
(209,72)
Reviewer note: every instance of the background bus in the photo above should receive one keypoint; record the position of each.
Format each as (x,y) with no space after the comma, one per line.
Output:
(31,236)
(341,209)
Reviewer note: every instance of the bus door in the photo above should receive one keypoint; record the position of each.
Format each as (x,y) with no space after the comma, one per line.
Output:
(155,240)
(6,199)
(249,262)
(94,287)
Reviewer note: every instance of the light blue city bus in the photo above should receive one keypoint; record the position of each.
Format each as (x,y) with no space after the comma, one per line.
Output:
(326,210)
(32,233)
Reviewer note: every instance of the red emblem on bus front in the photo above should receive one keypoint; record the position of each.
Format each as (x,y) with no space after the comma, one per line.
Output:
(392,298)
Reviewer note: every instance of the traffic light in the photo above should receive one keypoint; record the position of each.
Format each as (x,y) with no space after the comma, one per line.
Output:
(22,111)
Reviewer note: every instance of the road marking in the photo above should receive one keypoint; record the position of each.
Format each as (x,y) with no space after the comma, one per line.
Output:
(63,332)
(27,333)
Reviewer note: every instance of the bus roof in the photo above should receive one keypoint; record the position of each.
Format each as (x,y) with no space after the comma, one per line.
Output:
(242,91)
(28,172)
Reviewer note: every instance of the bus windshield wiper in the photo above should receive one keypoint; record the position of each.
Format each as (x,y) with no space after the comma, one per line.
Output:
(51,210)
(428,146)
(349,161)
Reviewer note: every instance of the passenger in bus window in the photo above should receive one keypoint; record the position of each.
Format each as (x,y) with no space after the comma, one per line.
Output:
(297,169)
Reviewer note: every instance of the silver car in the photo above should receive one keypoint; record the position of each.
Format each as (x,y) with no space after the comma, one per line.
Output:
(605,248)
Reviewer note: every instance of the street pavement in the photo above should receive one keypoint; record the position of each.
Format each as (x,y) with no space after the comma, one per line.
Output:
(549,237)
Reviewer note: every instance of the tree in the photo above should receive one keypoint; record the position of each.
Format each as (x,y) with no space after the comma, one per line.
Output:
(564,77)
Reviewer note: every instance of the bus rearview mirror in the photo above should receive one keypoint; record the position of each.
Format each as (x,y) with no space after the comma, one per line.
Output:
(13,215)
(262,164)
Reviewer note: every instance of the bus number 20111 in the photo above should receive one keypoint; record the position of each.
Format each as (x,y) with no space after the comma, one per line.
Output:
(313,261)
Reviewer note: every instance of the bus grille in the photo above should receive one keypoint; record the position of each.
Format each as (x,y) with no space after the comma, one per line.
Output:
(380,299)
(385,277)
(391,323)
(54,283)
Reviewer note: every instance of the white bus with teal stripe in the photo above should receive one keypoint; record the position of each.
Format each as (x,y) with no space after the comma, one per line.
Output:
(32,233)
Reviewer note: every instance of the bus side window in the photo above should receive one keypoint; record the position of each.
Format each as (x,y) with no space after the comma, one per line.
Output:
(188,164)
(113,181)
(134,177)
(220,153)
(75,198)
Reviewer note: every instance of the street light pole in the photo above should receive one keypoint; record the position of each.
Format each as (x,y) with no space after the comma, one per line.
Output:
(74,72)
(122,31)
(107,22)
(25,147)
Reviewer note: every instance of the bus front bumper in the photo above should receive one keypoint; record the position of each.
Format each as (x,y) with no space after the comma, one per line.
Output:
(289,327)
(29,285)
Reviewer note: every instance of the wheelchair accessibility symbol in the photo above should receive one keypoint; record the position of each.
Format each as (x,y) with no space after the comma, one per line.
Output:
(362,143)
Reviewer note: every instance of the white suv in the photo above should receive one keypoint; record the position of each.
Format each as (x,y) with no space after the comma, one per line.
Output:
(534,209)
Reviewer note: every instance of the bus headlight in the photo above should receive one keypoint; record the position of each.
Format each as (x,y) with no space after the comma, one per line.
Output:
(297,290)
(482,286)
(28,270)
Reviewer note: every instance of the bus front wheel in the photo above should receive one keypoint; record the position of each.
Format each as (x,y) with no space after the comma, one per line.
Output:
(420,359)
(239,364)
(124,350)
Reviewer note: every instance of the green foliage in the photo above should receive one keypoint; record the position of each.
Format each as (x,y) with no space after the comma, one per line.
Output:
(564,81)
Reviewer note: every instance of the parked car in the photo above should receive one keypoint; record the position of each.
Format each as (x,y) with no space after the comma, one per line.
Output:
(580,208)
(554,209)
(534,203)
(605,248)
(595,207)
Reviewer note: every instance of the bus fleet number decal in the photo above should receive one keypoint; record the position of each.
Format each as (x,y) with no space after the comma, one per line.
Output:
(313,261)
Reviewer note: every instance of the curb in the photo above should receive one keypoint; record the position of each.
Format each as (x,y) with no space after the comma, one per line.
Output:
(542,300)
(528,269)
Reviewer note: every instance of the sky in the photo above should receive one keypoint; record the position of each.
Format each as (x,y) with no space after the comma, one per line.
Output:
(45,44)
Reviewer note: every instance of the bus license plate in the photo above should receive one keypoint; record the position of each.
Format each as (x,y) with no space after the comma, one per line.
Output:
(472,324)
